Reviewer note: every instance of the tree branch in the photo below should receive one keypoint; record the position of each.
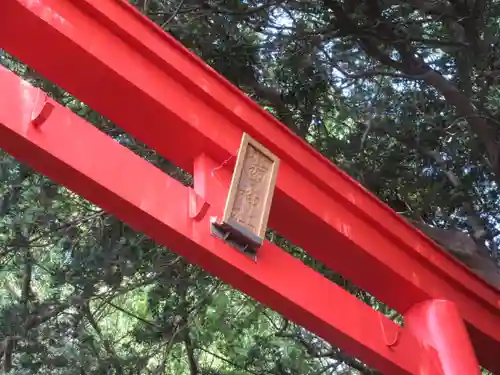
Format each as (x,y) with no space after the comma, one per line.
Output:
(479,232)
(434,7)
(193,363)
(466,109)
(476,224)
(114,357)
(336,354)
(228,361)
(412,65)
(12,197)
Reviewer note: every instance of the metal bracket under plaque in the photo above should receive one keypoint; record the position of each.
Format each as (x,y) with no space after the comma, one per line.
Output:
(237,236)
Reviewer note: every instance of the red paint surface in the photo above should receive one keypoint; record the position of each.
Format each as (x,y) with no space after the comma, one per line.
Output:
(77,155)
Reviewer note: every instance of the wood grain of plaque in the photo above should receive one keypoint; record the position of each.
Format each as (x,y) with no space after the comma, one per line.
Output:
(252,187)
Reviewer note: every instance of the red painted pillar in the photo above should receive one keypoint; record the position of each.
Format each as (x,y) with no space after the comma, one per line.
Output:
(438,324)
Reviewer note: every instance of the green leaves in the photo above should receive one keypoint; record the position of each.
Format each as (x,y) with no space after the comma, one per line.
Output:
(341,78)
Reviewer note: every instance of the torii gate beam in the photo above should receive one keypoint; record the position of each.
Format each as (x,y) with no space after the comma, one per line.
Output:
(142,79)
(72,152)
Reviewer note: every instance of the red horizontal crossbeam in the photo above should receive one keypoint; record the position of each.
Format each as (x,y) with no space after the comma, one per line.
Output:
(129,70)
(58,143)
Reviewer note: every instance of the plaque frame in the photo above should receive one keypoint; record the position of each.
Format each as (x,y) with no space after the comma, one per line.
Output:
(238,234)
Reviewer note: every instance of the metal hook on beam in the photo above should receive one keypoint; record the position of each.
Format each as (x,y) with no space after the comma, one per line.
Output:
(39,117)
(198,207)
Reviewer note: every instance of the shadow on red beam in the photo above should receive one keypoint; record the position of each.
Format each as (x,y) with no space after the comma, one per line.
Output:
(56,142)
(123,66)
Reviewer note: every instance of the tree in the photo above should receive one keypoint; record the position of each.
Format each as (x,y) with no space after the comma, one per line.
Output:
(402,95)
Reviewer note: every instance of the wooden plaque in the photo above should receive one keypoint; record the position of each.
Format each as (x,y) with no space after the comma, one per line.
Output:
(252,187)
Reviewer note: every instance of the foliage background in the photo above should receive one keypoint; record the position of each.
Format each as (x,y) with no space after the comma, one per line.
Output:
(402,95)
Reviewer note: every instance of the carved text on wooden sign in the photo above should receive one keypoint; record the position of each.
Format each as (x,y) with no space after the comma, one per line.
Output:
(252,187)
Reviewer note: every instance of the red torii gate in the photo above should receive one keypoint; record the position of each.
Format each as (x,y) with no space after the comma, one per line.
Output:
(108,55)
